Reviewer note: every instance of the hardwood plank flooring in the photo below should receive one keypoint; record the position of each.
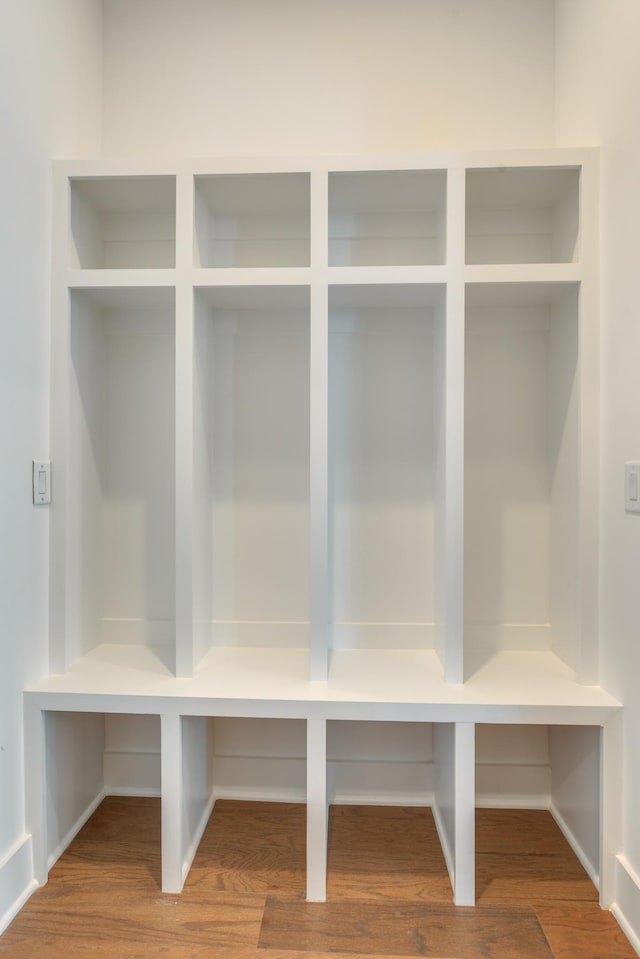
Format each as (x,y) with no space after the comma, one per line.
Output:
(385,852)
(521,854)
(405,929)
(388,892)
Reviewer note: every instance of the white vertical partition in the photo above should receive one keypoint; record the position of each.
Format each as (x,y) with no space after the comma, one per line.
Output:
(318,485)
(59,586)
(317,812)
(36,787)
(319,434)
(574,753)
(589,428)
(171,803)
(197,784)
(184,427)
(454,804)
(187,793)
(451,649)
(611,811)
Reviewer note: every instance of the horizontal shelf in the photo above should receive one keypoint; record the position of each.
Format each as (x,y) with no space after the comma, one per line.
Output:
(524,273)
(513,687)
(252,276)
(104,279)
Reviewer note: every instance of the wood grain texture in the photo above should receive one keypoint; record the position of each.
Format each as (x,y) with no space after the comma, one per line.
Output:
(385,852)
(578,929)
(103,899)
(253,847)
(404,929)
(521,854)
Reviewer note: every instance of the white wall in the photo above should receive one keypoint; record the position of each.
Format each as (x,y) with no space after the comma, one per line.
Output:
(207,77)
(49,104)
(598,81)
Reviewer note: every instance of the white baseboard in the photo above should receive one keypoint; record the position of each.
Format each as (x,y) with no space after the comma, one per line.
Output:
(55,854)
(626,908)
(500,801)
(134,792)
(16,880)
(585,862)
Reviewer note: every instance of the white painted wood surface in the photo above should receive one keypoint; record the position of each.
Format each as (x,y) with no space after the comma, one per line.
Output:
(327,459)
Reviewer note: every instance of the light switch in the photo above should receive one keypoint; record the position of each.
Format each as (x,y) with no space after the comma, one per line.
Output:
(41,482)
(632,487)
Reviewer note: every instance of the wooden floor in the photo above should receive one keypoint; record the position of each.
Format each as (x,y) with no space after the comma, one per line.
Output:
(388,892)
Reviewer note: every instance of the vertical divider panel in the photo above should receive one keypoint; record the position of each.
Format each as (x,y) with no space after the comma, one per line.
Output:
(59,586)
(589,446)
(318,435)
(317,811)
(35,787)
(197,785)
(611,812)
(453,653)
(172,802)
(184,426)
(454,804)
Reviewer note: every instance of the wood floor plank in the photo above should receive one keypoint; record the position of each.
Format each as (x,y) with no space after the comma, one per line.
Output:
(575,930)
(385,852)
(253,847)
(404,929)
(519,832)
(521,855)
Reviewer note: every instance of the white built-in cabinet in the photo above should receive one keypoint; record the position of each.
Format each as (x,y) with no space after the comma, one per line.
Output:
(325,452)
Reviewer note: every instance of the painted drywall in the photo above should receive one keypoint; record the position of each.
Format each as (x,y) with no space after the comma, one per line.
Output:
(208,77)
(49,104)
(598,78)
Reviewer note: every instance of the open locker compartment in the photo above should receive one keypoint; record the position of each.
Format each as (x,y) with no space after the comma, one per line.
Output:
(522,483)
(539,795)
(120,533)
(251,469)
(81,769)
(386,469)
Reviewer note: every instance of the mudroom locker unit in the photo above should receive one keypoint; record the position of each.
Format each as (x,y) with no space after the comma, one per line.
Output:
(326,444)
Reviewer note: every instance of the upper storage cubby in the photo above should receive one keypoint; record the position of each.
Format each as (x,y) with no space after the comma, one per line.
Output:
(252,220)
(387,218)
(522,215)
(123,222)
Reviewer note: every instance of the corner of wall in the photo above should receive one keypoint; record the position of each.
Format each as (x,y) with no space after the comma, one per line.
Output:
(16,880)
(626,908)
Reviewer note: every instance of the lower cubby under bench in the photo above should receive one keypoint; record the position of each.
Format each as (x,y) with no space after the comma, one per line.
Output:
(64,741)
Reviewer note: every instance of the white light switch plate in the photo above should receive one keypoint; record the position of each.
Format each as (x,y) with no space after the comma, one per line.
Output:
(41,483)
(632,487)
